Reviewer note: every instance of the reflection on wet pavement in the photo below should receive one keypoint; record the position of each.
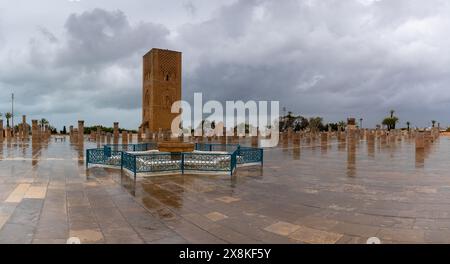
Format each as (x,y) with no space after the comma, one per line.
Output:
(310,190)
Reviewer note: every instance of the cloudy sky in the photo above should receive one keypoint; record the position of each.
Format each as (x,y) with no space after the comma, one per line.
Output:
(69,60)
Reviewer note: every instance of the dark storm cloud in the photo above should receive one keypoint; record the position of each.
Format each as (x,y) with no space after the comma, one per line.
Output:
(100,36)
(96,65)
(331,58)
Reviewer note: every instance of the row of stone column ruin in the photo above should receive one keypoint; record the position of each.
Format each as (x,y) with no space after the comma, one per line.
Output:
(422,138)
(38,133)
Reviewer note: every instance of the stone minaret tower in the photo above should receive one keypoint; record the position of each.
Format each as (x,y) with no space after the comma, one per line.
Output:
(161,88)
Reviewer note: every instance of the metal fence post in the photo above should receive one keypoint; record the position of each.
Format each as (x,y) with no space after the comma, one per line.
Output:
(182,163)
(262,156)
(134,167)
(231,164)
(87,158)
(121,160)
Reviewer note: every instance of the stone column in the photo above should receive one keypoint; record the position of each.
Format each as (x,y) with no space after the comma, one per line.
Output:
(25,131)
(1,130)
(428,139)
(20,132)
(116,132)
(130,137)
(351,159)
(124,137)
(420,144)
(8,134)
(71,133)
(34,131)
(139,136)
(75,135)
(92,135)
(383,137)
(98,136)
(371,137)
(39,132)
(296,140)
(324,138)
(80,131)
(45,132)
(108,138)
(147,135)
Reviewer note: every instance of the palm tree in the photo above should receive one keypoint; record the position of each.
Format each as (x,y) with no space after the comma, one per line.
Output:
(433,122)
(390,122)
(342,124)
(43,122)
(360,123)
(392,113)
(8,116)
(408,124)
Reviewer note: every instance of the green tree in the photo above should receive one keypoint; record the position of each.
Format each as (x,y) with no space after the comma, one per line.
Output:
(287,121)
(433,123)
(408,124)
(304,123)
(8,116)
(333,126)
(300,123)
(43,122)
(315,123)
(342,124)
(390,122)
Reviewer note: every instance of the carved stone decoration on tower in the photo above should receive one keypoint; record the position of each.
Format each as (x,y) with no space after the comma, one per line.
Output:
(161,88)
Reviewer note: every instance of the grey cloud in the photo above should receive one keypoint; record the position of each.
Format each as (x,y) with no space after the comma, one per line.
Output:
(48,35)
(100,36)
(371,58)
(95,65)
(190,8)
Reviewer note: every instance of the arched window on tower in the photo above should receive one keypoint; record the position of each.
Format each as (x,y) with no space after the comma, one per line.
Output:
(167,77)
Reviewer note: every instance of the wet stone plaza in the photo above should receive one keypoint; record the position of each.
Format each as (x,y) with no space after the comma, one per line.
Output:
(306,192)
